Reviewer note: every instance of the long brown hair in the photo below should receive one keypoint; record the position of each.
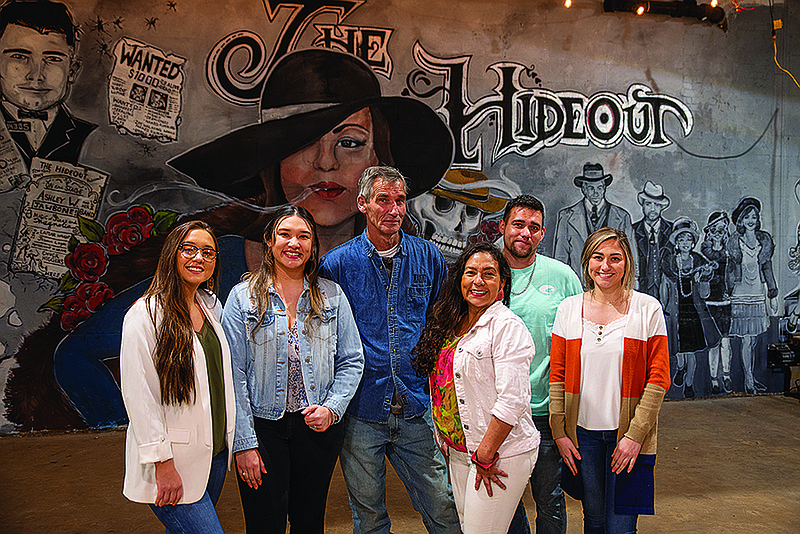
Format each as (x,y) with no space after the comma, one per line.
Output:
(260,280)
(174,355)
(450,309)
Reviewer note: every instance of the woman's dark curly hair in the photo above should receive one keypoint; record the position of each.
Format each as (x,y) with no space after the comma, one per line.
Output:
(450,309)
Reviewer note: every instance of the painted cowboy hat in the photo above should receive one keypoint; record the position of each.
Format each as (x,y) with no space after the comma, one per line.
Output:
(592,172)
(744,204)
(715,217)
(305,95)
(684,225)
(461,185)
(654,192)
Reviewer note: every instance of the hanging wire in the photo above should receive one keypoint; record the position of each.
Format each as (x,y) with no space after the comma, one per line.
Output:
(776,25)
(760,137)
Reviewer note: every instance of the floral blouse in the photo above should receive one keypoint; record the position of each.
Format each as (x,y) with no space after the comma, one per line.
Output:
(444,401)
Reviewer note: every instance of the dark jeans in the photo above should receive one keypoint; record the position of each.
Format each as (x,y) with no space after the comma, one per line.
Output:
(299,465)
(551,508)
(596,447)
(198,517)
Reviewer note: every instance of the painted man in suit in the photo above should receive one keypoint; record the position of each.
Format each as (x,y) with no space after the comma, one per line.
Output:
(38,64)
(576,222)
(652,235)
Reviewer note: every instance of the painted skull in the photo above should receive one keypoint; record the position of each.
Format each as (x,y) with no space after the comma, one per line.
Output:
(444,221)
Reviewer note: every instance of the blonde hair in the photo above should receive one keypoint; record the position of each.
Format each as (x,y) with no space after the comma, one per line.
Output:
(593,242)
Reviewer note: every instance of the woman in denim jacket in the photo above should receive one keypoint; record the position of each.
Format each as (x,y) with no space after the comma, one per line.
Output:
(297,361)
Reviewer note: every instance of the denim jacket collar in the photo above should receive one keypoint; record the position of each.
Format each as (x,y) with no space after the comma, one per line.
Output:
(370,249)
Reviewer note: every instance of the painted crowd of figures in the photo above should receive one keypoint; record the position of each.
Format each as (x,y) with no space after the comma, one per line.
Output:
(725,290)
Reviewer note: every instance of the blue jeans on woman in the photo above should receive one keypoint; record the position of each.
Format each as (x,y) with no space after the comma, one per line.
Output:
(596,448)
(198,517)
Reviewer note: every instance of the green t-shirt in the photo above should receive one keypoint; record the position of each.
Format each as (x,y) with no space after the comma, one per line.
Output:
(216,385)
(540,293)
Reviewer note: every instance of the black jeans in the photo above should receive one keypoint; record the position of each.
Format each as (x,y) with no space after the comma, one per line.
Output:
(299,465)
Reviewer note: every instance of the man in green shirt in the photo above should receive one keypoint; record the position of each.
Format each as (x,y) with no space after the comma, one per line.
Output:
(538,285)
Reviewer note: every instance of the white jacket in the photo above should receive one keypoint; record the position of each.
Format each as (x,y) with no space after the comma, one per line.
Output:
(157,432)
(491,365)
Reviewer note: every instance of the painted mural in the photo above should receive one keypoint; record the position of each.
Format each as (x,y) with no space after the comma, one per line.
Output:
(123,120)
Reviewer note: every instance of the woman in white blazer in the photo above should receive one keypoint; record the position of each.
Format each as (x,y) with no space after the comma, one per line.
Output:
(177,386)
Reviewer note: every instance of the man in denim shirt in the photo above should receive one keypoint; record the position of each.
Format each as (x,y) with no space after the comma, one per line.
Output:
(391,280)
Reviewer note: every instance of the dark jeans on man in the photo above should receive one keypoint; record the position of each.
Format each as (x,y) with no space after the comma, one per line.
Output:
(299,463)
(551,507)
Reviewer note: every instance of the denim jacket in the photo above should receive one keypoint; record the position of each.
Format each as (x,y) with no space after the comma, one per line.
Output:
(390,314)
(331,359)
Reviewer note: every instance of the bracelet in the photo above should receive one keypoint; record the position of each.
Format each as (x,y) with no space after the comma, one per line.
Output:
(475,461)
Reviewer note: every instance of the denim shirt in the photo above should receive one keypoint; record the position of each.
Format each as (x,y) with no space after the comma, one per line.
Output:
(390,314)
(331,359)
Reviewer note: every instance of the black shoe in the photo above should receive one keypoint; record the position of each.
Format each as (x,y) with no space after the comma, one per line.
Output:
(679,374)
(715,390)
(688,392)
(727,385)
(759,386)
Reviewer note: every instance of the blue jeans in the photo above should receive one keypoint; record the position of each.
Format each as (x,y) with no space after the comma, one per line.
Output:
(551,507)
(596,448)
(409,444)
(198,517)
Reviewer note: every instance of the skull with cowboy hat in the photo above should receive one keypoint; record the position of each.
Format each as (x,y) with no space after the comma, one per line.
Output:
(305,95)
(592,172)
(475,189)
(654,192)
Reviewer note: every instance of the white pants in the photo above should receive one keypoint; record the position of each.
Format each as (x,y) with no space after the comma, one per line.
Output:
(479,513)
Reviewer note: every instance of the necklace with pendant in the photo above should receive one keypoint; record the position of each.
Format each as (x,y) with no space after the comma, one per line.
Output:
(529,280)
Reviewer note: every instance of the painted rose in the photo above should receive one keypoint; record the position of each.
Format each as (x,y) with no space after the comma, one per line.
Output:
(126,230)
(94,295)
(489,232)
(74,312)
(87,262)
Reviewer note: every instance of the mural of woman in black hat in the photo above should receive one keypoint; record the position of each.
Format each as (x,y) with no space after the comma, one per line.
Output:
(684,289)
(753,282)
(323,120)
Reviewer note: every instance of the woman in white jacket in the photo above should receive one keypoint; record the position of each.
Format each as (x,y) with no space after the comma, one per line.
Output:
(177,385)
(478,353)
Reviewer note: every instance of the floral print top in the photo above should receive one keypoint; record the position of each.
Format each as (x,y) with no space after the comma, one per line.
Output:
(296,392)
(444,400)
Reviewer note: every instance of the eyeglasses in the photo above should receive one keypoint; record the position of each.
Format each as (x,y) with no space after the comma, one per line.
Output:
(190,252)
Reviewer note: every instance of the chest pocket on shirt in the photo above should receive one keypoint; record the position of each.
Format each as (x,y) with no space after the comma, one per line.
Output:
(479,364)
(323,343)
(265,333)
(418,296)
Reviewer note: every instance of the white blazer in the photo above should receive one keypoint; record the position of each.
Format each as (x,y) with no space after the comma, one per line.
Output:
(157,432)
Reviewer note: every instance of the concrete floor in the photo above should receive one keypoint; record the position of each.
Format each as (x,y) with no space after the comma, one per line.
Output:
(724,465)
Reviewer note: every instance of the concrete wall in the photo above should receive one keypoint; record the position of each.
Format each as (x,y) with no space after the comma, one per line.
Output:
(531,92)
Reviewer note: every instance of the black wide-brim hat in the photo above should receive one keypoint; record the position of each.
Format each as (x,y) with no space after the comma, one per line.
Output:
(305,95)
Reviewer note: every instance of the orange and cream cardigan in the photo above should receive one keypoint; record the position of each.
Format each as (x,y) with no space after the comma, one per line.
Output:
(645,370)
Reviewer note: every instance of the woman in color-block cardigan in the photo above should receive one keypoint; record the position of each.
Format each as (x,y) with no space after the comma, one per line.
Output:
(608,339)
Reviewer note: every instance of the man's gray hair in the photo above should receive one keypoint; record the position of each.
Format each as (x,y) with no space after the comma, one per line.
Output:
(366,183)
